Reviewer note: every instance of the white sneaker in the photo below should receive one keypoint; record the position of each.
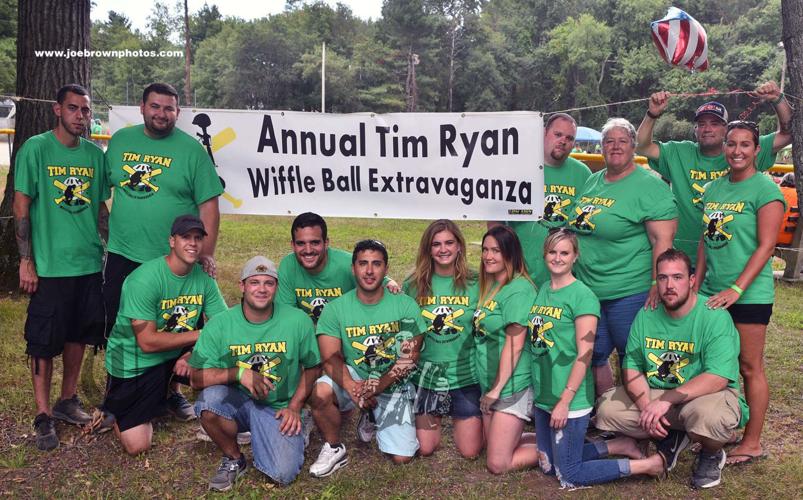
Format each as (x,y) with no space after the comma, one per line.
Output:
(243,438)
(365,428)
(329,460)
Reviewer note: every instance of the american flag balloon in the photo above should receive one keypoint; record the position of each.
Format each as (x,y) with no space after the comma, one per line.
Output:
(681,40)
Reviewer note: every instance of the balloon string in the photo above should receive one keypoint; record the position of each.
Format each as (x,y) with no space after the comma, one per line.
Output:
(708,93)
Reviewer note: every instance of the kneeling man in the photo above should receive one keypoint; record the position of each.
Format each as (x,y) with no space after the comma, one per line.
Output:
(161,304)
(681,375)
(256,364)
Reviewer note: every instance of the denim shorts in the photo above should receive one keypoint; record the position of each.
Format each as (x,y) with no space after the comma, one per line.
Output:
(395,422)
(277,456)
(463,402)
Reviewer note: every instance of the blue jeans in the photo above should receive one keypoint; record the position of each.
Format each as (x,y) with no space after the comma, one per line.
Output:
(277,456)
(616,317)
(575,462)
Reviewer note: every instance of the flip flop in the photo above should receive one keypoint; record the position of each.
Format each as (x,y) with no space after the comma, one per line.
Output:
(750,458)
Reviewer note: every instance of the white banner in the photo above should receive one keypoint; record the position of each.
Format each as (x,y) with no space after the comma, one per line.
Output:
(480,166)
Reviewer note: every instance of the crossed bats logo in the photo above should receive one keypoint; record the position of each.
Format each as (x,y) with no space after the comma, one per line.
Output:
(72,191)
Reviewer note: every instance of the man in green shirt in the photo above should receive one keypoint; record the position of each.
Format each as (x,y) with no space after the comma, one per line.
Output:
(681,375)
(564,178)
(256,364)
(689,165)
(158,172)
(58,211)
(315,274)
(162,303)
(369,342)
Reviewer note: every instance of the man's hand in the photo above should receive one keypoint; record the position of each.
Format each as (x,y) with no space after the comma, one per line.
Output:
(182,367)
(767,92)
(653,418)
(291,421)
(29,280)
(209,265)
(393,287)
(256,383)
(658,102)
(363,394)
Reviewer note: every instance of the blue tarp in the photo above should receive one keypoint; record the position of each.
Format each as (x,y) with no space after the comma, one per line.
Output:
(587,134)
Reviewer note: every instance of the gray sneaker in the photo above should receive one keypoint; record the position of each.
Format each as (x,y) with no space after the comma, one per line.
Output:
(46,438)
(243,438)
(179,407)
(707,471)
(229,470)
(366,428)
(71,411)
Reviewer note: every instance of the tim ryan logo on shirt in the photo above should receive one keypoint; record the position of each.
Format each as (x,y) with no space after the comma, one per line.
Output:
(71,190)
(142,173)
(181,313)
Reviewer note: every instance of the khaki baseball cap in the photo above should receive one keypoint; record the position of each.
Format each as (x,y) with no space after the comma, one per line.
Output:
(257,266)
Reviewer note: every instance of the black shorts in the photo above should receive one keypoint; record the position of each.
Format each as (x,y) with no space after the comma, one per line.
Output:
(138,400)
(64,310)
(115,271)
(751,314)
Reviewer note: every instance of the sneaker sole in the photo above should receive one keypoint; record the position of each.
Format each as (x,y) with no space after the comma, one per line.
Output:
(66,418)
(337,466)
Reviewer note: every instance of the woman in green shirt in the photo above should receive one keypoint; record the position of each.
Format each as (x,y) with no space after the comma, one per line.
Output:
(500,332)
(446,292)
(742,213)
(563,323)
(624,217)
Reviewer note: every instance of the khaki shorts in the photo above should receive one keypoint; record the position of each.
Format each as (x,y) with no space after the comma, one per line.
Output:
(713,416)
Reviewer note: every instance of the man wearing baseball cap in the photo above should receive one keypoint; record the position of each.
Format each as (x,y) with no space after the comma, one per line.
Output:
(256,364)
(161,304)
(689,165)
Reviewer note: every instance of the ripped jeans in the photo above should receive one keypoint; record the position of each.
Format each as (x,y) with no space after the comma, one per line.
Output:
(565,453)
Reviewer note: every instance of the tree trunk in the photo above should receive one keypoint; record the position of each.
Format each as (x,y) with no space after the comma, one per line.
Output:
(791,14)
(42,25)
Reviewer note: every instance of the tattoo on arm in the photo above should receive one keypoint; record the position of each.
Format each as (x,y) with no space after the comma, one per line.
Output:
(23,234)
(103,222)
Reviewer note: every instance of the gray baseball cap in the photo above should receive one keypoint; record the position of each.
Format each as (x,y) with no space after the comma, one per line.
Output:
(259,265)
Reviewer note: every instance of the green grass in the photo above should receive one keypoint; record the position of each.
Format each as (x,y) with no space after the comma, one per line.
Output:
(180,466)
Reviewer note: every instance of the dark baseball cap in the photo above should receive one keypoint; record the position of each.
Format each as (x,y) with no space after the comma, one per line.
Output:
(186,223)
(712,108)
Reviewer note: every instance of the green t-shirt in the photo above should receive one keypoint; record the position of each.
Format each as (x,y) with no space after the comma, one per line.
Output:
(730,235)
(277,348)
(447,357)
(311,292)
(154,181)
(371,334)
(553,343)
(511,304)
(561,185)
(670,352)
(153,293)
(682,164)
(66,186)
(610,221)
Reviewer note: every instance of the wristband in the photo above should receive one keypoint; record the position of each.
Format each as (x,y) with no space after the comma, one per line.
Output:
(240,373)
(778,100)
(736,288)
(654,282)
(654,117)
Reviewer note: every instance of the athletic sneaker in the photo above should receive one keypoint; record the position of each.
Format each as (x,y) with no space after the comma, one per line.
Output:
(306,425)
(71,411)
(46,438)
(243,438)
(707,471)
(229,470)
(179,407)
(671,446)
(366,429)
(329,460)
